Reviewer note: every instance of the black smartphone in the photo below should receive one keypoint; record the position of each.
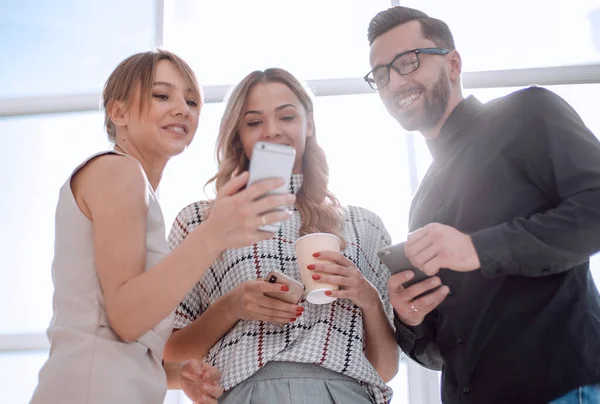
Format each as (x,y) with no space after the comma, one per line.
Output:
(396,261)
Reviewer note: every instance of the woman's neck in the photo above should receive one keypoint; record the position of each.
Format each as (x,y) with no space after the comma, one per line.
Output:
(153,167)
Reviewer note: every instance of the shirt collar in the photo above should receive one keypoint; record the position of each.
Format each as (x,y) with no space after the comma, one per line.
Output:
(462,114)
(296,183)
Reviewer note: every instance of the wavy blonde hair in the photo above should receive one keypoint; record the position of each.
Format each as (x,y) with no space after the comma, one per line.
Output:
(320,210)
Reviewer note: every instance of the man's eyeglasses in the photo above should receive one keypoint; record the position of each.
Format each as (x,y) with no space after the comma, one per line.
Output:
(403,64)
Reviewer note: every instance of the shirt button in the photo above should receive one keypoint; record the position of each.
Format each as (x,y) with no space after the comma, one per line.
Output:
(440,202)
(460,341)
(545,271)
(466,390)
(498,271)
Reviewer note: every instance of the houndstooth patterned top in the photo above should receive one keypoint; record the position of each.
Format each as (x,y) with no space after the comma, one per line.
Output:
(330,335)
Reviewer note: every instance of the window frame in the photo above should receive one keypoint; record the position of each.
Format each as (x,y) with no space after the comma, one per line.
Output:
(423,384)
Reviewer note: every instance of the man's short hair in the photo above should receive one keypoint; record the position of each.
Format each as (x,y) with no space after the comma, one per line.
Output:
(433,29)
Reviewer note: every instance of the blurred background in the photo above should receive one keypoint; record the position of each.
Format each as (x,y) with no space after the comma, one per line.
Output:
(57,55)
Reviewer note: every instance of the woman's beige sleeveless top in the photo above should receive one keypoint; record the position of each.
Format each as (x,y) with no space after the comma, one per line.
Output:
(88,363)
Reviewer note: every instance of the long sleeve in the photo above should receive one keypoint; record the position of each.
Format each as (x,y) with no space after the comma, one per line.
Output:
(562,158)
(383,239)
(419,342)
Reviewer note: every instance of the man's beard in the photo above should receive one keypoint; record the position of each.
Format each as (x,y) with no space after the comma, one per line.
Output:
(434,106)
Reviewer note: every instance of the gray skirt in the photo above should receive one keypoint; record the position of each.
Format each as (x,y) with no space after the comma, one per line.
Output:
(296,383)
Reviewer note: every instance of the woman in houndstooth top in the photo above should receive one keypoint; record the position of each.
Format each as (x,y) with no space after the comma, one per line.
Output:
(270,351)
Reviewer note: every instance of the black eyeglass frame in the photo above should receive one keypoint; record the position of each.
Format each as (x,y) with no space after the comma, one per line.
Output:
(425,51)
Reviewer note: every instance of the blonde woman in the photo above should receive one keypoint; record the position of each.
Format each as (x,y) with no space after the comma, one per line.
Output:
(270,351)
(116,284)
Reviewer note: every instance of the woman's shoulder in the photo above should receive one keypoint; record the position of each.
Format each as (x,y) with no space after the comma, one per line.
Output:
(354,213)
(187,220)
(107,179)
(364,219)
(193,214)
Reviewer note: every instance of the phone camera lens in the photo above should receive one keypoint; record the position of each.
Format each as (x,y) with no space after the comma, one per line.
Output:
(272,279)
(262,146)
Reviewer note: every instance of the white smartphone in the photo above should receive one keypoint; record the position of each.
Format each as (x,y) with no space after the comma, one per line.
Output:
(272,160)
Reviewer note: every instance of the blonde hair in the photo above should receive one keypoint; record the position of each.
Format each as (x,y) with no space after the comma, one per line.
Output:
(140,69)
(320,210)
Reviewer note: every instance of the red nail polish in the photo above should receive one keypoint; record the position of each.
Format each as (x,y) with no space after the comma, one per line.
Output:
(300,309)
(316,277)
(317,254)
(292,319)
(284,288)
(311,266)
(328,292)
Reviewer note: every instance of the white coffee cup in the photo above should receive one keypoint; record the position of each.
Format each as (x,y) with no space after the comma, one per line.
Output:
(305,247)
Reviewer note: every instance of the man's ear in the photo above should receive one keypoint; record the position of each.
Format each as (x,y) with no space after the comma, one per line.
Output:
(118,113)
(455,65)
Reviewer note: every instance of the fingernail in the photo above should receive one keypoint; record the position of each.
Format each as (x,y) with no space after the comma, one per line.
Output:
(410,275)
(311,266)
(435,281)
(300,309)
(328,292)
(298,314)
(444,290)
(284,288)
(292,319)
(316,277)
(317,254)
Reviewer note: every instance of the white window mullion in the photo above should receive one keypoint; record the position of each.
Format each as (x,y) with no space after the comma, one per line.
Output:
(23,342)
(560,75)
(423,384)
(159,22)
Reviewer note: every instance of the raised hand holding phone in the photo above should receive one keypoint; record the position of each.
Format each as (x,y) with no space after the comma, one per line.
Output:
(272,160)
(237,213)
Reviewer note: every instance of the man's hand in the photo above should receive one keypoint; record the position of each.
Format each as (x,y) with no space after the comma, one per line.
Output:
(200,382)
(412,311)
(438,246)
